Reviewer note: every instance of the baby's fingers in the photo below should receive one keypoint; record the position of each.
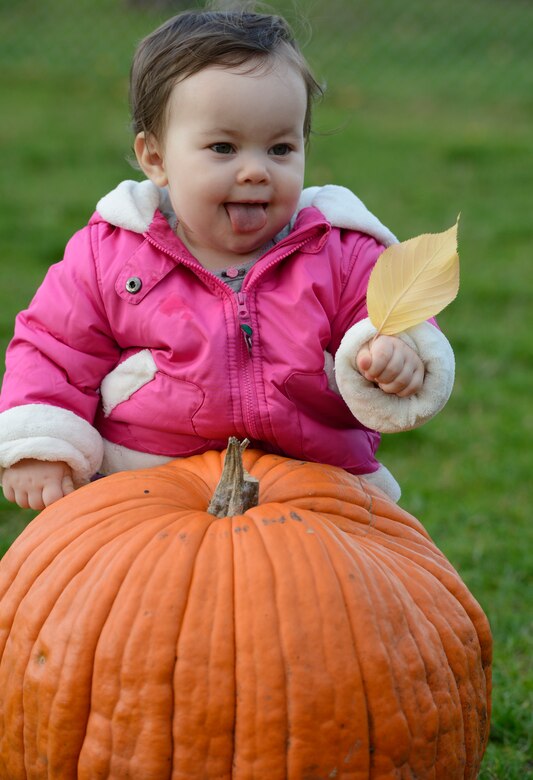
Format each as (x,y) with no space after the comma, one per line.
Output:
(408,382)
(17,494)
(25,499)
(414,385)
(378,361)
(364,359)
(54,490)
(9,493)
(35,499)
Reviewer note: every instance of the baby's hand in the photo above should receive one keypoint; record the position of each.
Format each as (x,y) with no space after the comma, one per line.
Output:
(391,364)
(34,484)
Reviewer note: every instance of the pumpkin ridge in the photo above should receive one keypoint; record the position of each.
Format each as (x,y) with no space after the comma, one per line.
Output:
(461,663)
(303,749)
(127,546)
(411,602)
(383,723)
(128,714)
(252,720)
(35,620)
(386,571)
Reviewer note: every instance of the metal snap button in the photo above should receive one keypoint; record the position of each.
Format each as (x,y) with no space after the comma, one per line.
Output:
(133,285)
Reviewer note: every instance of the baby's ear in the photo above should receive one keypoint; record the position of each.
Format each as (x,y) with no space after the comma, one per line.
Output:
(150,158)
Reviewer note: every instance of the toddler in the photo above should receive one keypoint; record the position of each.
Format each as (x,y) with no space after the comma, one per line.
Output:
(217,297)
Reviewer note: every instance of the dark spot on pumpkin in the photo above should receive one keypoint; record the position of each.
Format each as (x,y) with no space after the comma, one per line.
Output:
(162,534)
(296,516)
(183,536)
(41,658)
(146,491)
(272,520)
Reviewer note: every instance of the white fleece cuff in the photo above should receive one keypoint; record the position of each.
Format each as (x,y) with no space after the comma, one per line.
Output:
(50,433)
(385,412)
(383,479)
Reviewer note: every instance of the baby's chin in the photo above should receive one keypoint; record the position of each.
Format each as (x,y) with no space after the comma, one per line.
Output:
(247,247)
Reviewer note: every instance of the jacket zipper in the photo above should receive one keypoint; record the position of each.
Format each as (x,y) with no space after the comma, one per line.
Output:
(249,402)
(249,406)
(275,261)
(244,320)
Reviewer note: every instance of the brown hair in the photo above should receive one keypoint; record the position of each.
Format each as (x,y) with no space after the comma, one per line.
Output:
(194,40)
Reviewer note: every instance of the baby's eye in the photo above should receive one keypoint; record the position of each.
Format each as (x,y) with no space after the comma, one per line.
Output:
(280,150)
(222,148)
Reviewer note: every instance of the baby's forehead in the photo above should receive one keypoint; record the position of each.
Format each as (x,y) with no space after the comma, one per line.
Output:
(255,75)
(254,67)
(240,96)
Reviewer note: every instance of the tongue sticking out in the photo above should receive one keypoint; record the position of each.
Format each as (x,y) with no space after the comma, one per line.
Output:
(246,217)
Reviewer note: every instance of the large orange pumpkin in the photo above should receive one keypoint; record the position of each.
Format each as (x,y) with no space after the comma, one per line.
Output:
(320,634)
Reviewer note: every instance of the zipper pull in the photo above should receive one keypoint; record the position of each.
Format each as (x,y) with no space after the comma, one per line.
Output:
(248,332)
(243,314)
(242,308)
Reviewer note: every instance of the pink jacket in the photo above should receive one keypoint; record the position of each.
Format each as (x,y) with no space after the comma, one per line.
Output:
(132,353)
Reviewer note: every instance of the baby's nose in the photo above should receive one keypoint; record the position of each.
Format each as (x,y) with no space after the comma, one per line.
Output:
(254,168)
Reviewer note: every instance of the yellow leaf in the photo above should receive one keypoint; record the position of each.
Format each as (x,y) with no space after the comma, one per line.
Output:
(413,281)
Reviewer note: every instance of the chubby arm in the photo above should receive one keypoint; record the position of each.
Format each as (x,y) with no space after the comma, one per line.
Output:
(62,348)
(387,387)
(35,484)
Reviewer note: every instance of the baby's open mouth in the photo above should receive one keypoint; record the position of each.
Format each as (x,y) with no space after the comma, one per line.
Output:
(246,217)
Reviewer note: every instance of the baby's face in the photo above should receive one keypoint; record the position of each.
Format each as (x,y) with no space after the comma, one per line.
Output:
(233,158)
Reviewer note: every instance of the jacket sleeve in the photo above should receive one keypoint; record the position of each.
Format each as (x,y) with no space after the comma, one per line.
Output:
(62,348)
(375,409)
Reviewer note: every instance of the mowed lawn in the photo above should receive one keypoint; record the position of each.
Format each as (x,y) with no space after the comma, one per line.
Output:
(424,124)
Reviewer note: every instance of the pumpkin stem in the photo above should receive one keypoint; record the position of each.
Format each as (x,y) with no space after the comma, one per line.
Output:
(237,491)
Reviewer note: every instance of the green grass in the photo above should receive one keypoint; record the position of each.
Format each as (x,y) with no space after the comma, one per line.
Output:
(428,113)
